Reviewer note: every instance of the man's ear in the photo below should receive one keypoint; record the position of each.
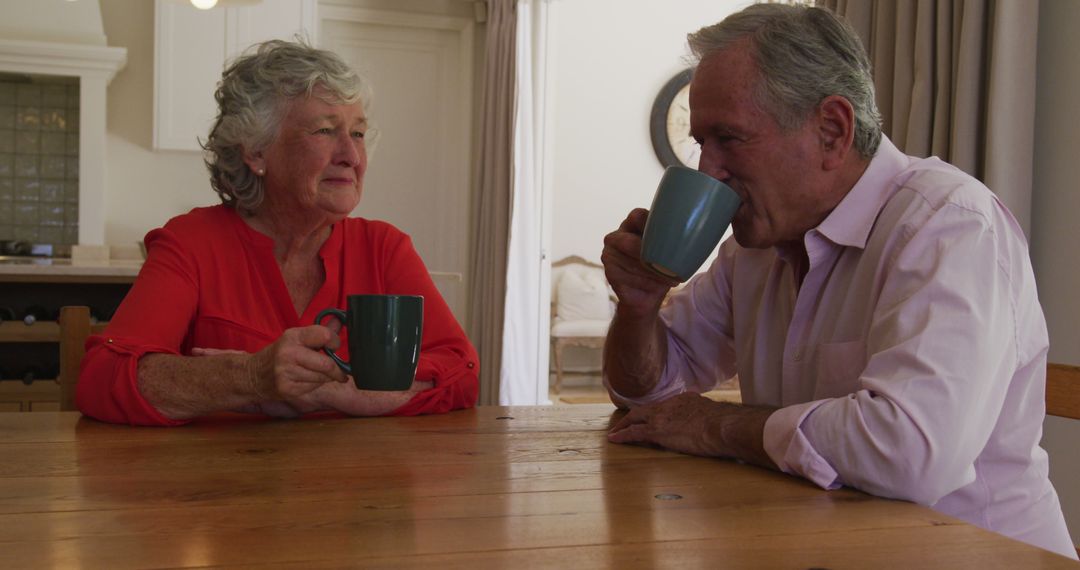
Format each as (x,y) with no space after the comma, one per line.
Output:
(836,125)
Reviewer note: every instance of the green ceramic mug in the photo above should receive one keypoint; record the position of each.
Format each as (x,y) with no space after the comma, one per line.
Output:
(384,339)
(690,213)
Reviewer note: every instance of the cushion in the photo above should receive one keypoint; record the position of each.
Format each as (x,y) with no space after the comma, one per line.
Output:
(582,295)
(580,328)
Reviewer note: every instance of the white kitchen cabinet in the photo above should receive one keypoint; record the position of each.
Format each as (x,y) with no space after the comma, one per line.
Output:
(192,47)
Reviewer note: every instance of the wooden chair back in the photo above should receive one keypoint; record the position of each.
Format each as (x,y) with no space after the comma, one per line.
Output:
(1063,390)
(75,328)
(1063,394)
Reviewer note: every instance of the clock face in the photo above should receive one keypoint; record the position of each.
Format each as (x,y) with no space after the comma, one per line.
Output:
(682,144)
(669,123)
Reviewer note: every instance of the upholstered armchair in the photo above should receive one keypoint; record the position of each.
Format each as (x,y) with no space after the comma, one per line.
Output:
(582,305)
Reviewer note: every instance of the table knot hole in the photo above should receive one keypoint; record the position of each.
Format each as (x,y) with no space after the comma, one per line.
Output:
(258,451)
(668,497)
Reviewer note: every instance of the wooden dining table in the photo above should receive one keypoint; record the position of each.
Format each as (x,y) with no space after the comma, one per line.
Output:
(492,487)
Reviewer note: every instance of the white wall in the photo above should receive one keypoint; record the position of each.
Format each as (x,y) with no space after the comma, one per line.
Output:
(608,71)
(1054,231)
(52,20)
(143,187)
(611,58)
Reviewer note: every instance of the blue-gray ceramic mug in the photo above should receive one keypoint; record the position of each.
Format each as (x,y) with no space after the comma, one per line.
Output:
(690,213)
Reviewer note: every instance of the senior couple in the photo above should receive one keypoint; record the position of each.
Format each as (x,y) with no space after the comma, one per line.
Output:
(879,309)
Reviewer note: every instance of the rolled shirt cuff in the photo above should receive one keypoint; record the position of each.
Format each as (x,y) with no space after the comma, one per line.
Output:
(790,449)
(660,392)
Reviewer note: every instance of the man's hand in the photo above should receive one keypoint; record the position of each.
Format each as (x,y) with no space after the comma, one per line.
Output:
(639,289)
(636,346)
(680,423)
(693,424)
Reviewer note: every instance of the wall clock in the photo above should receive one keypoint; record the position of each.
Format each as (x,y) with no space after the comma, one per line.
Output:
(669,123)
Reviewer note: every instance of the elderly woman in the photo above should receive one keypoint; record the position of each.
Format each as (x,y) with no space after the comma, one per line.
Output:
(220,317)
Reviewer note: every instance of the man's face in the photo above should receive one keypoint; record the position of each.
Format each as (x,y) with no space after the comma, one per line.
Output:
(778,174)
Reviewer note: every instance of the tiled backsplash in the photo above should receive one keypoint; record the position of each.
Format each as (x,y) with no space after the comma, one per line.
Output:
(39,159)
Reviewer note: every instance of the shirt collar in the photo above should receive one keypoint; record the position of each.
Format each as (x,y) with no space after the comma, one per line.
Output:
(329,250)
(247,233)
(849,224)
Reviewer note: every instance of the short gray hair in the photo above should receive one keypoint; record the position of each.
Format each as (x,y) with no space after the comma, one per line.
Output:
(804,54)
(252,98)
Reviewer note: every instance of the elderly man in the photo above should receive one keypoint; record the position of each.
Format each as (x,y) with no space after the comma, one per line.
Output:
(879,309)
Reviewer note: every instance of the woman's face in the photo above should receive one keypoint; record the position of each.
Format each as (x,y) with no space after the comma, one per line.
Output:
(316,164)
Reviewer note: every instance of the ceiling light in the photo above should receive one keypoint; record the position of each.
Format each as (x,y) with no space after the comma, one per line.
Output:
(204,4)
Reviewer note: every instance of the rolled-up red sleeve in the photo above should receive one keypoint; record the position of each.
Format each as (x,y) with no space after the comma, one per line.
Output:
(153,318)
(447,358)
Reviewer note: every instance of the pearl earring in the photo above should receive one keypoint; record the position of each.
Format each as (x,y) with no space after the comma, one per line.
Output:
(260,172)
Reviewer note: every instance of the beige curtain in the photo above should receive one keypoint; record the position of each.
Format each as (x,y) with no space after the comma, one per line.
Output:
(491,205)
(956,79)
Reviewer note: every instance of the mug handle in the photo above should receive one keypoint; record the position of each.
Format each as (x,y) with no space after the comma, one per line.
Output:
(340,315)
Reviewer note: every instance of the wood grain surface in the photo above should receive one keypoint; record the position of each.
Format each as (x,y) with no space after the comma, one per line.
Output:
(495,487)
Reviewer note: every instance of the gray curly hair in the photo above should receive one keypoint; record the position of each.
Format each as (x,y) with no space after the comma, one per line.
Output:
(252,98)
(804,55)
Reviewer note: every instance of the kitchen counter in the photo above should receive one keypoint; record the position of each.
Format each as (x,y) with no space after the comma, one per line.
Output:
(46,285)
(63,270)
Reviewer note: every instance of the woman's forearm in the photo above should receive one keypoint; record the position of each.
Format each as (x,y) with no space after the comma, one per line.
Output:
(185,387)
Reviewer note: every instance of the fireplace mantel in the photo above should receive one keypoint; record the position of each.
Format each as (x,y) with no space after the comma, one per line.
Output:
(95,66)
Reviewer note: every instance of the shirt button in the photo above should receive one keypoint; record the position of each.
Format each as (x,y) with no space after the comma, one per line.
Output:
(798,356)
(471,365)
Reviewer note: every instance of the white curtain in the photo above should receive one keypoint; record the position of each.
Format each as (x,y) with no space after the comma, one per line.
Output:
(524,372)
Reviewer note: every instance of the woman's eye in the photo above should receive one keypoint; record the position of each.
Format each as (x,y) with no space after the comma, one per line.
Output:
(358,134)
(325,131)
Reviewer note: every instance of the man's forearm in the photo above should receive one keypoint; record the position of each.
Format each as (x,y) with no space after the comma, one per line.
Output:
(635,353)
(739,430)
(184,387)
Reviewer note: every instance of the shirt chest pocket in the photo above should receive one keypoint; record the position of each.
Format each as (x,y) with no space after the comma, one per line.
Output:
(838,368)
(222,333)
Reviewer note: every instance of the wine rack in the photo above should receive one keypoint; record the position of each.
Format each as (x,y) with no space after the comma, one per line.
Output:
(17,331)
(29,354)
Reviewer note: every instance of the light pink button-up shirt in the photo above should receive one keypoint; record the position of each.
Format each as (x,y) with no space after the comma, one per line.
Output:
(910,364)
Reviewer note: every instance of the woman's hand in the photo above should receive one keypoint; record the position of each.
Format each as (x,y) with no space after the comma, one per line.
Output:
(640,290)
(293,376)
(309,402)
(294,366)
(347,399)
